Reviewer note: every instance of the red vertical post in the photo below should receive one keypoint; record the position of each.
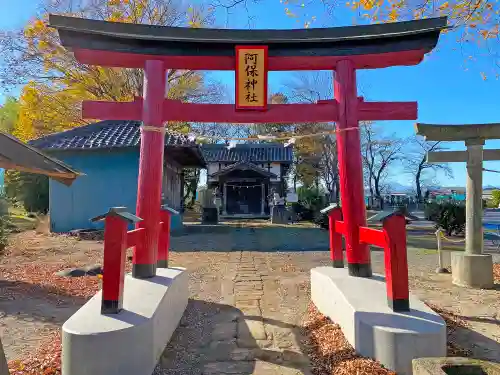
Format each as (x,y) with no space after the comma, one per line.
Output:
(164,243)
(150,170)
(351,169)
(335,239)
(396,263)
(115,246)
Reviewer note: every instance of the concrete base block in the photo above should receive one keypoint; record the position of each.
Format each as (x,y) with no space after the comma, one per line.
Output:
(454,365)
(131,342)
(359,306)
(472,271)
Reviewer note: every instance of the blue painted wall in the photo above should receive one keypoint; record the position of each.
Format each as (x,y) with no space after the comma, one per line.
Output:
(110,180)
(2,180)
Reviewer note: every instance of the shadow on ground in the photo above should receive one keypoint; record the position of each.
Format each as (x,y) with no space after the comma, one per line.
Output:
(213,339)
(37,302)
(472,343)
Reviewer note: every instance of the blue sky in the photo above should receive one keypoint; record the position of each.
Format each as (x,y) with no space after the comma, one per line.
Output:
(447,91)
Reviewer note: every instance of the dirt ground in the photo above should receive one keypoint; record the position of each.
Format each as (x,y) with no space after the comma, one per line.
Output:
(32,307)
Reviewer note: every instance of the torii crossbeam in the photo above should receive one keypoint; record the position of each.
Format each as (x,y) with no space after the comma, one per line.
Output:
(156,49)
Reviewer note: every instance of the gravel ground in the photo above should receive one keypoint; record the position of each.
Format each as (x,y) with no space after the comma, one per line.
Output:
(258,275)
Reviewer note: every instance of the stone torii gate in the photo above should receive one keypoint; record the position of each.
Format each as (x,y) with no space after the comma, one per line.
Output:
(473,268)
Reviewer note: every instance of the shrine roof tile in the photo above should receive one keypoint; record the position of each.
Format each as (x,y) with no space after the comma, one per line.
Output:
(255,153)
(103,135)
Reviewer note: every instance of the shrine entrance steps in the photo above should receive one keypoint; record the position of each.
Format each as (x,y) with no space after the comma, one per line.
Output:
(253,328)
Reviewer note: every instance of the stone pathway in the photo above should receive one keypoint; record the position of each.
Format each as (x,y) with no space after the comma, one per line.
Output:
(250,331)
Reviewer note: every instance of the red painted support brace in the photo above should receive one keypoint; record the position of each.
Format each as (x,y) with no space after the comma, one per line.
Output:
(335,238)
(351,169)
(340,227)
(371,236)
(323,111)
(164,243)
(396,263)
(175,110)
(150,170)
(115,246)
(134,237)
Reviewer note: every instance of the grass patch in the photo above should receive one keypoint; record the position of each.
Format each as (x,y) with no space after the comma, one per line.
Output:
(20,220)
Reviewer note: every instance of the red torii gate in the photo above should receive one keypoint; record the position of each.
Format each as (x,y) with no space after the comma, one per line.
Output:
(157,49)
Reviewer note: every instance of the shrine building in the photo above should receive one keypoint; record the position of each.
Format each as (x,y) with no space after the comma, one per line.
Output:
(245,175)
(107,155)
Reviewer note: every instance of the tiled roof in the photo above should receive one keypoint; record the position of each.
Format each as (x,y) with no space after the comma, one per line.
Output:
(256,153)
(102,135)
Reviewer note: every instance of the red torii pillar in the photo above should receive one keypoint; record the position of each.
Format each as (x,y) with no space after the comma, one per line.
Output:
(351,110)
(150,169)
(351,169)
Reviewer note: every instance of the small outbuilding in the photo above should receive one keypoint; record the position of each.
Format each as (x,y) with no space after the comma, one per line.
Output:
(107,155)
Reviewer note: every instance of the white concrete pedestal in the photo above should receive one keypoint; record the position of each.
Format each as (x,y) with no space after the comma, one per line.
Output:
(131,342)
(472,270)
(359,306)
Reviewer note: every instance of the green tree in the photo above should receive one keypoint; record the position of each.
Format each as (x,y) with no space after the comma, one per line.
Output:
(9,113)
(495,198)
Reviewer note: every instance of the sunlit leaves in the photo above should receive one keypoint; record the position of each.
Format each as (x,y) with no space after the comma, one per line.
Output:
(51,101)
(480,16)
(44,109)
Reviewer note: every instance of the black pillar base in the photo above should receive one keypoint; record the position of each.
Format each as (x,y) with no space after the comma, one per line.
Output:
(143,271)
(162,263)
(398,305)
(111,307)
(360,269)
(338,263)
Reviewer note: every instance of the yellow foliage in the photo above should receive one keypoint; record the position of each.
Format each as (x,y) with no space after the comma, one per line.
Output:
(55,105)
(44,109)
(367,4)
(480,17)
(393,15)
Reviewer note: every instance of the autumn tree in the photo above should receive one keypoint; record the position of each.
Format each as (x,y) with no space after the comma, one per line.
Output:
(417,166)
(55,83)
(475,23)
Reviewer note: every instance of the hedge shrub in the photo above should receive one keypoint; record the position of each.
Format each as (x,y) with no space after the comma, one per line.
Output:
(449,217)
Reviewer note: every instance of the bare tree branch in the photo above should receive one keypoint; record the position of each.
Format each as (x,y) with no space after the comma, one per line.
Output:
(416,162)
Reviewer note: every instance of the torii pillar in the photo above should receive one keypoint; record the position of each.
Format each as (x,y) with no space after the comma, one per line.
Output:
(473,268)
